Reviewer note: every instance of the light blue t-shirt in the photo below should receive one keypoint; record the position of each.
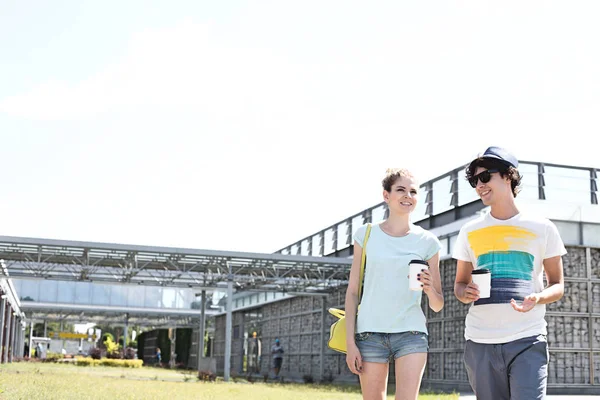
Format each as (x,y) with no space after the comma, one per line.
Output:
(388,305)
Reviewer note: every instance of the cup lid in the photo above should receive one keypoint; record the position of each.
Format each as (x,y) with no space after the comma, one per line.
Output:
(480,271)
(418,262)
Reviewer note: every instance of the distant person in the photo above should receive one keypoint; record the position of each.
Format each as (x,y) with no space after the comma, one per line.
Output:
(277,352)
(39,350)
(158,356)
(254,353)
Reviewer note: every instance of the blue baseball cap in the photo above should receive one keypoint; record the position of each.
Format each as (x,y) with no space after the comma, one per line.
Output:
(501,154)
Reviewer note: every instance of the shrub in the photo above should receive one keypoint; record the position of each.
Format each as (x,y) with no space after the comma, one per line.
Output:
(86,361)
(129,353)
(107,335)
(96,353)
(53,357)
(206,376)
(113,350)
(308,379)
(109,362)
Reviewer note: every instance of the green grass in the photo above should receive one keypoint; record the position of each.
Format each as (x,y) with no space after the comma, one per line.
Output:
(47,381)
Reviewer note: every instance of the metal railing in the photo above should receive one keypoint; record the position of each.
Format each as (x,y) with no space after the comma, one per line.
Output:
(543,181)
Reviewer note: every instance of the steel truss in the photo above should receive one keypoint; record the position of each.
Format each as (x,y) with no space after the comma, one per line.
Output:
(173,267)
(76,313)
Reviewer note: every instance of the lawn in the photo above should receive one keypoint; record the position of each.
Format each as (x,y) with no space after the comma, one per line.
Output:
(47,381)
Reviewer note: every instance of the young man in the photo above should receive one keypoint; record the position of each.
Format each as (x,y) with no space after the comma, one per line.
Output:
(506,353)
(277,352)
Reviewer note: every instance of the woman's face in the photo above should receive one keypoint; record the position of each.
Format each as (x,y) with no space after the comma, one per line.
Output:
(403,196)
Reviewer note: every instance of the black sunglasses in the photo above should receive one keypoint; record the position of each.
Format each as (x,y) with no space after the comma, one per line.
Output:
(484,177)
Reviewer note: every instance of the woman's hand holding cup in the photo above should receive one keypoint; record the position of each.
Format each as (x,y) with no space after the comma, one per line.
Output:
(425,278)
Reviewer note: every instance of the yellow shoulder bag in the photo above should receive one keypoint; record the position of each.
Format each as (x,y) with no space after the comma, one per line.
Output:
(337,334)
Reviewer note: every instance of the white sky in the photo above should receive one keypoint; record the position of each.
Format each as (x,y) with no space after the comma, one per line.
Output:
(250,125)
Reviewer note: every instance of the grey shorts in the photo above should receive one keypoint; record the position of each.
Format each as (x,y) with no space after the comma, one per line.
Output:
(384,347)
(516,370)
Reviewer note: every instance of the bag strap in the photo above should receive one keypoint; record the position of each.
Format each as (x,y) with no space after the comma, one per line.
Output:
(363,262)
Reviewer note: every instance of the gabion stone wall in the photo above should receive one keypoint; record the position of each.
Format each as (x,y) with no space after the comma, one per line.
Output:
(298,323)
(573,333)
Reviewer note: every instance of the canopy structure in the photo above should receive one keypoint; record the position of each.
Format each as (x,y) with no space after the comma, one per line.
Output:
(132,265)
(173,267)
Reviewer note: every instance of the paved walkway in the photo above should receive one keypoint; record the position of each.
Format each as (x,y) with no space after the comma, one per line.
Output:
(471,396)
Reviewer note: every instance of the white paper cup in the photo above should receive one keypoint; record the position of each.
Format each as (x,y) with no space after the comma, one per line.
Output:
(483,279)
(415,267)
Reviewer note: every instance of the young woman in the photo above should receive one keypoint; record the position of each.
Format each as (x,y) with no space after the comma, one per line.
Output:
(390,324)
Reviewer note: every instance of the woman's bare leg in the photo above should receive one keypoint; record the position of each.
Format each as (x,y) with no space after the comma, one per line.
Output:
(373,380)
(409,371)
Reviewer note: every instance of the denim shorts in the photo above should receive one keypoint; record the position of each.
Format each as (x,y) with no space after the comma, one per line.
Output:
(385,347)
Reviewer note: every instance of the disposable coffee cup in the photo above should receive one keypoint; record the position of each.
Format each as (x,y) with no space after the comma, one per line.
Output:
(415,267)
(483,278)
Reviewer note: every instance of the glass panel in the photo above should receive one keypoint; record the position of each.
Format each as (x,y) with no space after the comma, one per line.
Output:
(529,181)
(83,292)
(466,194)
(591,235)
(569,232)
(179,298)
(153,296)
(419,212)
(304,248)
(100,294)
(315,245)
(169,297)
(452,243)
(188,298)
(342,236)
(441,195)
(66,292)
(118,295)
(567,184)
(17,284)
(294,250)
(30,289)
(48,290)
(328,242)
(135,296)
(444,249)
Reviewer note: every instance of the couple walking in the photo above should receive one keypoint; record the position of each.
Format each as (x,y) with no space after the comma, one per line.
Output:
(506,354)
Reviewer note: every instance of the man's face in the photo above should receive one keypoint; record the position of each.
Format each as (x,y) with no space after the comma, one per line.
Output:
(495,190)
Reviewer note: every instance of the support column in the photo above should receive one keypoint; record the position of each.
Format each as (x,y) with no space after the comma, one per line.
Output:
(201,329)
(18,331)
(242,344)
(45,328)
(228,324)
(8,332)
(22,339)
(62,346)
(125,331)
(30,338)
(13,331)
(172,358)
(322,346)
(17,336)
(2,324)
